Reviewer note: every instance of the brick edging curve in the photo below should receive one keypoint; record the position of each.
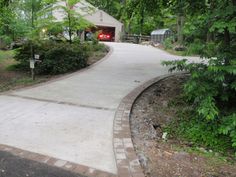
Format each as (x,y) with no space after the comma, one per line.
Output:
(55,162)
(127,162)
(51,161)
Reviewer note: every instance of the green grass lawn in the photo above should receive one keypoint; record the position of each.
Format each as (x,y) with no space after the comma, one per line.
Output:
(6,54)
(10,78)
(6,59)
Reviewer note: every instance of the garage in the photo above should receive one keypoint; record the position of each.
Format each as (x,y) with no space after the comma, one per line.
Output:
(105,23)
(106,33)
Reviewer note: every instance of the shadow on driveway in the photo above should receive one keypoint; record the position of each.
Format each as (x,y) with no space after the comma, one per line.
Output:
(13,166)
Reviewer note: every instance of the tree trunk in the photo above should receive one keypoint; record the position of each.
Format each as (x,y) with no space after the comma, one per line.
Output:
(234,2)
(69,26)
(227,45)
(180,25)
(141,21)
(70,35)
(129,27)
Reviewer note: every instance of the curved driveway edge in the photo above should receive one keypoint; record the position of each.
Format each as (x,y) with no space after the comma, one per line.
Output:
(66,75)
(72,118)
(128,164)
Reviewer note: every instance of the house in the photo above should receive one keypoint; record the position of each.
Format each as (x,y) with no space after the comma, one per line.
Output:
(102,20)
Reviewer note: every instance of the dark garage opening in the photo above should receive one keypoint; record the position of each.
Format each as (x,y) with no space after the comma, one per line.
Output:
(107,30)
(101,30)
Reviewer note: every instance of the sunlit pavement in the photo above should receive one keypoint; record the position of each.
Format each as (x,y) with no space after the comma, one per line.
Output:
(72,118)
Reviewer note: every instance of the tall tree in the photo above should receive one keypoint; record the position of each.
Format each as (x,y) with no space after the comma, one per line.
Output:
(72,20)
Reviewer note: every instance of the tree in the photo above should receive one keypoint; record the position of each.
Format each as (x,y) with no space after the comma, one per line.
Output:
(211,88)
(72,20)
(18,18)
(10,25)
(142,9)
(111,7)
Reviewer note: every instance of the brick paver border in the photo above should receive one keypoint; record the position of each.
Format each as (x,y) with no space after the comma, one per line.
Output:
(66,165)
(63,164)
(128,164)
(126,159)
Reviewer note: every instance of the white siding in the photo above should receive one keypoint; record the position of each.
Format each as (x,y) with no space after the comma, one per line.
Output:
(93,15)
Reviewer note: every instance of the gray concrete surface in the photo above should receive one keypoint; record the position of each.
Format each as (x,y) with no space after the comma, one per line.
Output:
(79,128)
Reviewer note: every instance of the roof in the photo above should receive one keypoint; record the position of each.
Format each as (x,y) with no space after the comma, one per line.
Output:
(160,31)
(88,11)
(84,8)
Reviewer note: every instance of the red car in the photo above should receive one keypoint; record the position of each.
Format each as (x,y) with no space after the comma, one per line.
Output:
(104,37)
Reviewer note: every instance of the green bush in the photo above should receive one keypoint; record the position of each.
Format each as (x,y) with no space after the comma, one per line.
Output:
(190,126)
(57,57)
(92,47)
(168,43)
(195,48)
(5,42)
(211,92)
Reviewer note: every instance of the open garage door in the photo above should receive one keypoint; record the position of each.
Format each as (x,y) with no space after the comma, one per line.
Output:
(106,33)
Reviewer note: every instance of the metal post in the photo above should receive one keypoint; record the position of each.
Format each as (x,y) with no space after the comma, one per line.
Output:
(32,60)
(32,74)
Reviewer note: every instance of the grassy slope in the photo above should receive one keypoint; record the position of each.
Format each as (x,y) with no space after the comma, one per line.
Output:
(9,78)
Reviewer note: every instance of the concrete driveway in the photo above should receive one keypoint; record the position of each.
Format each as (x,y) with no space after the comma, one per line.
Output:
(72,118)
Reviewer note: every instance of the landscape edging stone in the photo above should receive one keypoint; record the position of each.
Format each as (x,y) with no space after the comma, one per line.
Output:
(127,161)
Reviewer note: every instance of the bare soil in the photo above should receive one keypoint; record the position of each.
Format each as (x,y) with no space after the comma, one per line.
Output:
(162,157)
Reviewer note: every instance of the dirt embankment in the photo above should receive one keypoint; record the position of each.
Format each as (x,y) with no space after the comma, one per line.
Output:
(167,158)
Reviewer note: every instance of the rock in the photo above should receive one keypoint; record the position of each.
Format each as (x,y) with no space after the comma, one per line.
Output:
(202,149)
(152,132)
(164,136)
(168,154)
(181,156)
(143,160)
(156,126)
(179,48)
(145,43)
(165,103)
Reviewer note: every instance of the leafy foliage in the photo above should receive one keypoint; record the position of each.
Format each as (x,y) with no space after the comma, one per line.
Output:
(56,57)
(211,91)
(72,20)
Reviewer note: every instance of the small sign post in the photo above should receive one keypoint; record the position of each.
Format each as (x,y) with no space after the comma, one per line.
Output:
(32,66)
(36,57)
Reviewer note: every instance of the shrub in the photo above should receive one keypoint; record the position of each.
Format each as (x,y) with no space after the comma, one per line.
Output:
(195,48)
(211,90)
(57,57)
(5,42)
(168,43)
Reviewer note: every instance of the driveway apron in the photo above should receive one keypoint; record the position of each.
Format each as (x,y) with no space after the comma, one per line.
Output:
(72,118)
